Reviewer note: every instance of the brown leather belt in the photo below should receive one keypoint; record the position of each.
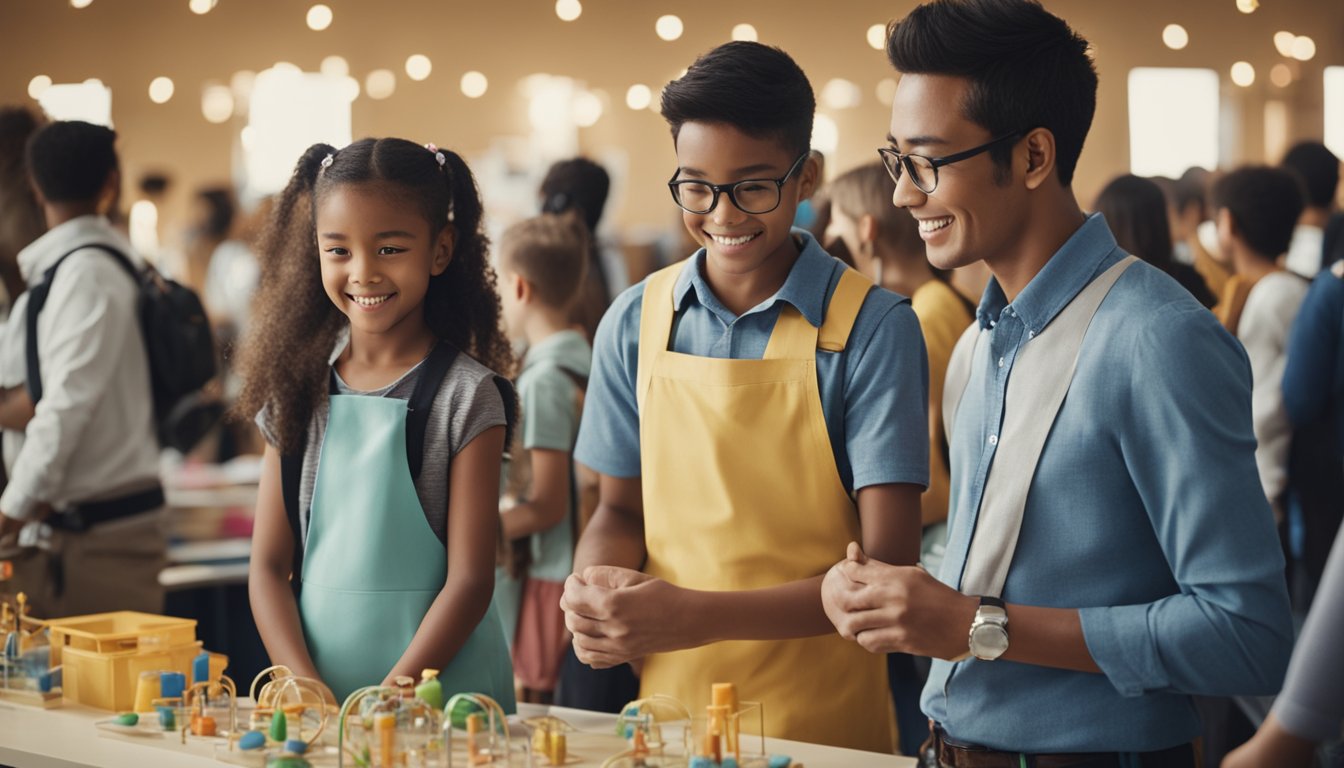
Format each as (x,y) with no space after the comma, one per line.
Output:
(952,755)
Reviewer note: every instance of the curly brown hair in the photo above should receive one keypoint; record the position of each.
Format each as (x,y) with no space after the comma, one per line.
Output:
(284,360)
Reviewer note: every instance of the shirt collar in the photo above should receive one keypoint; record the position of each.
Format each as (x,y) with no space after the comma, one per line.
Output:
(1066,273)
(805,287)
(65,237)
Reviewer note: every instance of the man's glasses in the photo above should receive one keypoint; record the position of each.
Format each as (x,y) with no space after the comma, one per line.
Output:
(754,196)
(924,170)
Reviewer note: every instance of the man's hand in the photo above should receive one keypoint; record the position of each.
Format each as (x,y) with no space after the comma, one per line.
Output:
(889,608)
(618,615)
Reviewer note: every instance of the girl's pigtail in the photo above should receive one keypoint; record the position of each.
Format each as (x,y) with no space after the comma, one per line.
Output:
(472,318)
(283,359)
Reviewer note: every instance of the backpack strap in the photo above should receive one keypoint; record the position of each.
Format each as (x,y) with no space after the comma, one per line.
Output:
(291,475)
(422,399)
(37,298)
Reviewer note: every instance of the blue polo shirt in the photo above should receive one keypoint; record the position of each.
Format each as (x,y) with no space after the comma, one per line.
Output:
(874,393)
(1145,513)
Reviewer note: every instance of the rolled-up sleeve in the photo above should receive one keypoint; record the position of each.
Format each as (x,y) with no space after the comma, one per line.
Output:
(609,430)
(1190,450)
(887,398)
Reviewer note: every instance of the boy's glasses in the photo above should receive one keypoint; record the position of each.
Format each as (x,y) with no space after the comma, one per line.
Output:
(924,170)
(754,196)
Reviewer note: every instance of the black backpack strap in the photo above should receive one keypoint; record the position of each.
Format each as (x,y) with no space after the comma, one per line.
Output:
(37,298)
(422,399)
(291,478)
(291,475)
(510,398)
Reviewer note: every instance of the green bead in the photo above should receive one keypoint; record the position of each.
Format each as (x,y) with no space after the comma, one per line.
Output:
(278,726)
(462,708)
(127,718)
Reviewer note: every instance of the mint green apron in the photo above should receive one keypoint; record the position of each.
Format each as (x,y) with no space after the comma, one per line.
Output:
(372,564)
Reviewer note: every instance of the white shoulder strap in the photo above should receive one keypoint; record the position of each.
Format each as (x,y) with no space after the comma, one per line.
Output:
(1037,385)
(958,375)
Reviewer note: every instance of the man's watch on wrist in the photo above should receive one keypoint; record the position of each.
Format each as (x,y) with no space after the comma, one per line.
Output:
(988,639)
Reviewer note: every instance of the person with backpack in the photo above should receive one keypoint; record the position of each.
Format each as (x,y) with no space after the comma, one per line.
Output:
(80,442)
(542,264)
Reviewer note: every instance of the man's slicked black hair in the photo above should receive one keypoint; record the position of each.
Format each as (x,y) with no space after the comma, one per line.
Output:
(1027,68)
(71,160)
(755,88)
(1265,204)
(1318,168)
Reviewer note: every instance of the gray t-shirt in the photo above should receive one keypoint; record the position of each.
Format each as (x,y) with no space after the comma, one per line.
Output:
(468,403)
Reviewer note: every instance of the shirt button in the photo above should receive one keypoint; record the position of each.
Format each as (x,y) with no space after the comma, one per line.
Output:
(993,439)
(1031,334)
(1000,362)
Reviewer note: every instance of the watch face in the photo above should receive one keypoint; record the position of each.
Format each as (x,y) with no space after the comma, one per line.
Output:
(989,641)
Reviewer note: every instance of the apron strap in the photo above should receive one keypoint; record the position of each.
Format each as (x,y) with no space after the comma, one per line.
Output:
(655,323)
(794,338)
(843,310)
(1037,386)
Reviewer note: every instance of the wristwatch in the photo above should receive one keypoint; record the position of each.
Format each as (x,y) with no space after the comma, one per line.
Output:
(989,631)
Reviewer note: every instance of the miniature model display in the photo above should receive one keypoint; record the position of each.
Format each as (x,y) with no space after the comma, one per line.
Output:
(26,672)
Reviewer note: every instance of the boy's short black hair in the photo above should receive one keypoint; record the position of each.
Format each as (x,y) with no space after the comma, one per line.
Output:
(1026,67)
(1319,170)
(755,88)
(70,160)
(1265,204)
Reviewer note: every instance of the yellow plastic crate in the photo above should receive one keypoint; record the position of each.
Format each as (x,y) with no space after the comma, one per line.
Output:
(107,681)
(102,655)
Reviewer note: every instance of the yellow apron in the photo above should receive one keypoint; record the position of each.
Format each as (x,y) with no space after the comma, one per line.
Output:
(741,491)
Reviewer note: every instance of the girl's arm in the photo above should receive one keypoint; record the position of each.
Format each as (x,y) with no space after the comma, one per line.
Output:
(273,606)
(549,500)
(473,514)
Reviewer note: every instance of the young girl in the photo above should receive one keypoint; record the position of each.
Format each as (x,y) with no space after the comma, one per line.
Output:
(376,291)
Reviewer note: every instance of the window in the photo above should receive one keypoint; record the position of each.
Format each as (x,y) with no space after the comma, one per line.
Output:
(1334,110)
(90,101)
(1173,120)
(290,111)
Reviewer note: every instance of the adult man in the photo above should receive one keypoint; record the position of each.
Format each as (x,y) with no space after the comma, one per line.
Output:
(1124,551)
(83,464)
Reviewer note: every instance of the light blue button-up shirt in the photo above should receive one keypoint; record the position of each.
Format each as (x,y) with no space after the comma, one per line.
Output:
(1145,513)
(873,393)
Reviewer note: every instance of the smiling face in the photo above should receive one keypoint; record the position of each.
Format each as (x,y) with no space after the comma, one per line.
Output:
(975,212)
(377,256)
(739,243)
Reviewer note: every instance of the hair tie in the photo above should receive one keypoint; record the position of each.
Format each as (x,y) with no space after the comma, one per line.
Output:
(327,161)
(439,157)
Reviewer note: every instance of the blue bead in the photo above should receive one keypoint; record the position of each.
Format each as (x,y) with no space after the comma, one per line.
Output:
(780,761)
(701,761)
(728,762)
(252,740)
(296,746)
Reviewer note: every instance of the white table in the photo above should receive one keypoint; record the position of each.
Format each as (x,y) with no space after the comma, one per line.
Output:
(65,737)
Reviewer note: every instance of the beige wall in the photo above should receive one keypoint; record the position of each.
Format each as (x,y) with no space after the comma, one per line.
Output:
(126,43)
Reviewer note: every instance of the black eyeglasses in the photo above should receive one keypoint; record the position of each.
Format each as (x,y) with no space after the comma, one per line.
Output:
(754,196)
(924,170)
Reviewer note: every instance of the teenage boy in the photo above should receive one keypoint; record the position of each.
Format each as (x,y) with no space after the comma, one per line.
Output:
(750,410)
(1109,553)
(84,464)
